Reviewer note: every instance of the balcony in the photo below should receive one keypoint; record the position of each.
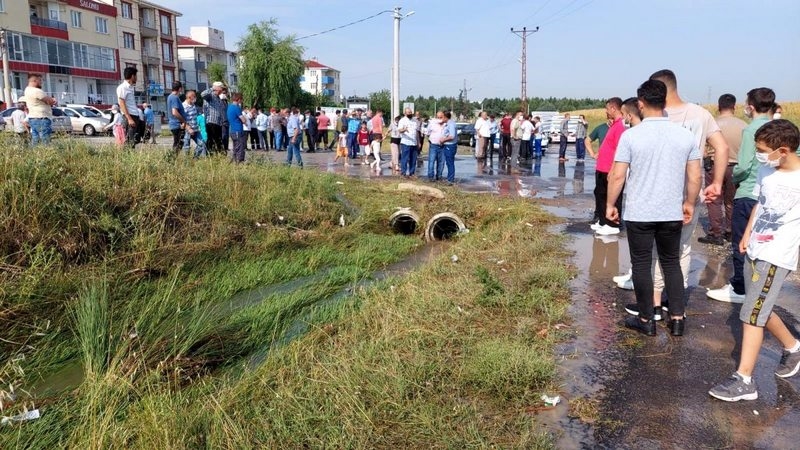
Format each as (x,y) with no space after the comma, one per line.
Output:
(148,28)
(328,92)
(327,80)
(150,58)
(48,23)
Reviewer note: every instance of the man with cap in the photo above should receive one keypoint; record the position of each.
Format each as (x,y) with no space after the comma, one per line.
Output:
(215,112)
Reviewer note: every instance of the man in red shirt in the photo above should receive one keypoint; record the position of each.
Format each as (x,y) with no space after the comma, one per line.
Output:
(605,159)
(505,138)
(323,122)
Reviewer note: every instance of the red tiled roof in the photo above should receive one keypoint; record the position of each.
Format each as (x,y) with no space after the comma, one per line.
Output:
(311,64)
(189,42)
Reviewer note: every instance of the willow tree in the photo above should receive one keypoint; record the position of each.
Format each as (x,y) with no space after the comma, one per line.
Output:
(270,66)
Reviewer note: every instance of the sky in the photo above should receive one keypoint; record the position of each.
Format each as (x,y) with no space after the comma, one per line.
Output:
(584,48)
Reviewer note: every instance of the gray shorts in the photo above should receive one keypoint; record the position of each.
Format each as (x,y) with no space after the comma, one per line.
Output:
(762,294)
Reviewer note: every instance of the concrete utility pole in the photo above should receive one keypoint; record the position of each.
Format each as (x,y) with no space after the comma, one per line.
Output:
(396,64)
(6,71)
(524,33)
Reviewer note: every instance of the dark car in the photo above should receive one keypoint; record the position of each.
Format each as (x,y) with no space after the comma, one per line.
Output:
(466,134)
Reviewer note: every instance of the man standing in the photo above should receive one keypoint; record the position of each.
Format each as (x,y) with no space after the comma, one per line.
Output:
(127,105)
(313,131)
(352,130)
(215,112)
(335,126)
(294,132)
(236,120)
(598,134)
(516,135)
(719,229)
(39,110)
(664,163)
(408,128)
(19,120)
(505,138)
(177,116)
(150,123)
(759,103)
(482,133)
(262,124)
(605,159)
(277,129)
(563,133)
(435,148)
(580,138)
(323,124)
(450,143)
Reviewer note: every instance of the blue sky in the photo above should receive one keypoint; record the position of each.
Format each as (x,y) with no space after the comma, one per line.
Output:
(585,48)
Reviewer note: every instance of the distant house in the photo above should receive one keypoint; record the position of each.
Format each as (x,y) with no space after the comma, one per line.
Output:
(196,52)
(319,79)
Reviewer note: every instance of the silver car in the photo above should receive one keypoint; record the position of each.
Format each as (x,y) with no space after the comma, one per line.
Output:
(84,121)
(60,123)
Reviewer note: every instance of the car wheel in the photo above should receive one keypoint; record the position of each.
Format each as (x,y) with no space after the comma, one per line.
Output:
(89,130)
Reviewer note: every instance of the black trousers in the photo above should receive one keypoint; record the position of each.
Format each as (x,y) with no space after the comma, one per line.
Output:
(562,147)
(322,137)
(254,143)
(505,145)
(271,141)
(132,132)
(214,132)
(667,237)
(177,139)
(601,196)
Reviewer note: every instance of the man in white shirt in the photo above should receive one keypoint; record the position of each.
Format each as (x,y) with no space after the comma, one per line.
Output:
(39,110)
(482,133)
(262,124)
(128,107)
(19,120)
(408,128)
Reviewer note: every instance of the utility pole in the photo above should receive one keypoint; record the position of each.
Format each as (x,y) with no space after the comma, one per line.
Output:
(396,64)
(6,72)
(524,33)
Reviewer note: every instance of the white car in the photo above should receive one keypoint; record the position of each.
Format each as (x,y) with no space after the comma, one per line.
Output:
(554,129)
(104,114)
(85,121)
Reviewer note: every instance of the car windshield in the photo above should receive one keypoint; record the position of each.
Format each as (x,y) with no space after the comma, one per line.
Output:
(57,112)
(84,112)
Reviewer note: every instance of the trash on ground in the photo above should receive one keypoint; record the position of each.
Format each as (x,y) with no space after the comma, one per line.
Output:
(502,261)
(551,401)
(529,224)
(559,326)
(27,415)
(454,258)
(341,220)
(755,412)
(339,182)
(280,218)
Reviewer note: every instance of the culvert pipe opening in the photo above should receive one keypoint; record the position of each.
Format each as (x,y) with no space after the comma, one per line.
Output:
(404,222)
(444,226)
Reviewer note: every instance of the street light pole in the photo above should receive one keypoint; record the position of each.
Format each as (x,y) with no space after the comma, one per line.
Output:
(396,64)
(6,77)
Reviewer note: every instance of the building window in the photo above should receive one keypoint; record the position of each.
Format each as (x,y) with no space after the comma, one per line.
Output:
(166,49)
(169,77)
(2,6)
(127,10)
(128,41)
(101,25)
(131,65)
(54,13)
(166,27)
(210,58)
(76,19)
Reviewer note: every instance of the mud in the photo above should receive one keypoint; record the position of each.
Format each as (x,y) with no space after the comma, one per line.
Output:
(648,392)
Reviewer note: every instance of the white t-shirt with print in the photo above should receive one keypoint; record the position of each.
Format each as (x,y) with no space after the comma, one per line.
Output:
(775,237)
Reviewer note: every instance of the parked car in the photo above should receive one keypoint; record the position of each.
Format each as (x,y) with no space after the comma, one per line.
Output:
(466,134)
(106,114)
(84,121)
(554,129)
(60,122)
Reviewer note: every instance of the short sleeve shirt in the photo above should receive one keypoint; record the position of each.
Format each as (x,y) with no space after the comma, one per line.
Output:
(174,102)
(37,107)
(696,119)
(605,157)
(409,136)
(235,123)
(776,232)
(125,92)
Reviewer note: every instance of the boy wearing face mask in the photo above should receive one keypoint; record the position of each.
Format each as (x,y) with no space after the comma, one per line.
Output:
(770,241)
(759,104)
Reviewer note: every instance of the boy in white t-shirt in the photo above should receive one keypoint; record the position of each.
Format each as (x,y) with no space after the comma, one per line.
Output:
(771,241)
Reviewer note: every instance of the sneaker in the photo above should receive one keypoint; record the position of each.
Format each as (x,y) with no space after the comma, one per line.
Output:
(626,285)
(711,240)
(606,230)
(790,364)
(620,278)
(725,294)
(647,328)
(595,226)
(633,309)
(735,389)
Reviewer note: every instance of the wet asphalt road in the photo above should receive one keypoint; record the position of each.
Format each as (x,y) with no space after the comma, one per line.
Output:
(648,392)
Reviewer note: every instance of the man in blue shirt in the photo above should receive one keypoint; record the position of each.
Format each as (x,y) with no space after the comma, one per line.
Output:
(149,121)
(352,130)
(177,116)
(294,135)
(236,121)
(450,143)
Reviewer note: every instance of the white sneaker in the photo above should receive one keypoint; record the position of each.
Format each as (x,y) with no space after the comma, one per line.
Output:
(595,226)
(622,278)
(606,230)
(627,284)
(725,294)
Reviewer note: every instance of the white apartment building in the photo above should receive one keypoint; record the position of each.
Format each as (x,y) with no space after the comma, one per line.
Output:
(205,46)
(319,79)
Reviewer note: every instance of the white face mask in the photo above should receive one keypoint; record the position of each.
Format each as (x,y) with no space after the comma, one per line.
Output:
(763,158)
(776,116)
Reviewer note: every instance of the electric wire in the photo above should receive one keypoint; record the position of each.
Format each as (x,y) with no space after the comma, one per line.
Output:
(342,26)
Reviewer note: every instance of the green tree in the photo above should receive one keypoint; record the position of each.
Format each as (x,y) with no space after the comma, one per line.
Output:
(381,100)
(216,72)
(270,66)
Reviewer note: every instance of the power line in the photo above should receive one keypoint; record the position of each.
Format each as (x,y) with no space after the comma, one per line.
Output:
(343,26)
(535,12)
(451,74)
(524,33)
(559,15)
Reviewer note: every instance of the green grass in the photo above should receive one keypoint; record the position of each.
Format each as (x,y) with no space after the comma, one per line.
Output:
(207,305)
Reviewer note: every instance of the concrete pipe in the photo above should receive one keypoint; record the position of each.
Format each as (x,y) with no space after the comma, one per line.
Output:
(404,221)
(444,226)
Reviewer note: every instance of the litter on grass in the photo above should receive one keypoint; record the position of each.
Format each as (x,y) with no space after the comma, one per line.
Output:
(27,415)
(551,401)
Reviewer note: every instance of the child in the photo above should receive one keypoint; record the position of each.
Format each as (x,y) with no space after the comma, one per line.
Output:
(341,150)
(363,142)
(771,241)
(376,151)
(116,126)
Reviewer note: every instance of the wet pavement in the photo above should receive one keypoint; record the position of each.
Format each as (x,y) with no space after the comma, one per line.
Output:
(621,389)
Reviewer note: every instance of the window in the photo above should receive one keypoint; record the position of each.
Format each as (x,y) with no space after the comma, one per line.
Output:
(128,40)
(2,6)
(76,19)
(166,27)
(210,58)
(152,73)
(101,25)
(169,78)
(53,13)
(127,11)
(131,65)
(166,49)
(107,60)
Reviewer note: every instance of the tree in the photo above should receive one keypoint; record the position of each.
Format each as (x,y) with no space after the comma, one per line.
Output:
(381,100)
(270,66)
(216,72)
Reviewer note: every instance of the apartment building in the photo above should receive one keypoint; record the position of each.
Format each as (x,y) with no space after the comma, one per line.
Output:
(73,43)
(319,79)
(205,46)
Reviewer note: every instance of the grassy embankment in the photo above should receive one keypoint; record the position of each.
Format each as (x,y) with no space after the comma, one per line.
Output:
(121,321)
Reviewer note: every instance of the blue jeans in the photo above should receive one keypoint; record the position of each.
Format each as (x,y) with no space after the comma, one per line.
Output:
(537,146)
(352,145)
(580,148)
(435,160)
(450,159)
(294,150)
(278,140)
(742,208)
(408,159)
(41,130)
(239,139)
(200,149)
